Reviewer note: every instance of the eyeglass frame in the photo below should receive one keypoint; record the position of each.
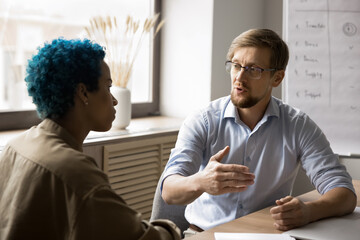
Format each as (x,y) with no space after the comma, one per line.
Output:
(247,69)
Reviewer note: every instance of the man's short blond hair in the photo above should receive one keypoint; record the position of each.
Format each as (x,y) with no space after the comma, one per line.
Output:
(263,38)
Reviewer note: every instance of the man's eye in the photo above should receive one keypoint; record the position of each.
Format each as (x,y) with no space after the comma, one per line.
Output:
(255,69)
(237,66)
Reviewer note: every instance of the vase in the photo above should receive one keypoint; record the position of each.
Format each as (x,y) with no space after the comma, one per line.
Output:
(123,108)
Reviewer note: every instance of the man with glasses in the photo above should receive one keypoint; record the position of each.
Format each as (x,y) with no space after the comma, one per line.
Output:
(242,152)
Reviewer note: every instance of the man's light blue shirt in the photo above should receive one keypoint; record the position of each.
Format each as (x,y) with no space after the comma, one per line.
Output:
(284,139)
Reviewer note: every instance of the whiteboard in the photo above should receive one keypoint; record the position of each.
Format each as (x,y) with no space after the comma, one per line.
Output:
(323,75)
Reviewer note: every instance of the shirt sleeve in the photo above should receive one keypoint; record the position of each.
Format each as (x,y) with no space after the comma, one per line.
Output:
(185,159)
(322,166)
(104,215)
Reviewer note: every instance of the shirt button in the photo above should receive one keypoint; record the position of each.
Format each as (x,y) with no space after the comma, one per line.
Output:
(248,159)
(240,206)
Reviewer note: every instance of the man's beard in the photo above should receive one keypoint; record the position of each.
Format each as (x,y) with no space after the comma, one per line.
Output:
(243,103)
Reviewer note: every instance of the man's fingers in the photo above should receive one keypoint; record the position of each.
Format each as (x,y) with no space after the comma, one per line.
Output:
(285,220)
(235,176)
(232,189)
(237,183)
(283,215)
(229,167)
(284,200)
(226,178)
(235,168)
(284,205)
(220,154)
(291,213)
(283,227)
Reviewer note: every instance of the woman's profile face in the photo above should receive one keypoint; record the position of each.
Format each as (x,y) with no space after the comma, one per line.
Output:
(101,112)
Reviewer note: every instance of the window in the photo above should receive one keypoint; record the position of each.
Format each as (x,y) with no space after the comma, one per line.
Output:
(27,24)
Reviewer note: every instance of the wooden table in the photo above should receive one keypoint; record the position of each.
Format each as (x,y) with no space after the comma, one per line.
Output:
(260,221)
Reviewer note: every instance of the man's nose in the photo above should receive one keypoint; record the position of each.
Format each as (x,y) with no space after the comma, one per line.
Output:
(239,75)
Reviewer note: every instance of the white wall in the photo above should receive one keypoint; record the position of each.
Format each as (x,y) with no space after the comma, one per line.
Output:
(195,40)
(231,17)
(186,41)
(273,20)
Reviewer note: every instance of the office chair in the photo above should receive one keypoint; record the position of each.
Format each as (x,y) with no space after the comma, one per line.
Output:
(162,210)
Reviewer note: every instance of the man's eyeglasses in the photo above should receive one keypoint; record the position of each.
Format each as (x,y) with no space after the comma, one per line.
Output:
(251,72)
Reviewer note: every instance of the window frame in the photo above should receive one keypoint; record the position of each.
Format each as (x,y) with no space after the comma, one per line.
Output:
(12,120)
(152,108)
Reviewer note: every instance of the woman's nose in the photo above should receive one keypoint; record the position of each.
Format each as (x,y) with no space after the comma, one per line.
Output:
(115,101)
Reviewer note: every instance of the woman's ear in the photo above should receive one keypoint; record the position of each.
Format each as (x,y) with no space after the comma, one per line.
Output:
(82,93)
(278,77)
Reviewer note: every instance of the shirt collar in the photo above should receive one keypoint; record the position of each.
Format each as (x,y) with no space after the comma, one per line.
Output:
(230,110)
(52,127)
(272,109)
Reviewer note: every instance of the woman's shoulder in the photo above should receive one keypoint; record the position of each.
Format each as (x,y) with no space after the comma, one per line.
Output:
(55,156)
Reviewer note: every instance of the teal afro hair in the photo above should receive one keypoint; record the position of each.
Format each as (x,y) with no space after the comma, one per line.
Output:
(53,74)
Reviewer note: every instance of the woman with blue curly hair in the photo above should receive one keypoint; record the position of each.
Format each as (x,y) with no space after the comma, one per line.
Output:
(49,189)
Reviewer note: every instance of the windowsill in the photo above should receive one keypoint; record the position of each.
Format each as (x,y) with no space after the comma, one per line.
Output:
(137,127)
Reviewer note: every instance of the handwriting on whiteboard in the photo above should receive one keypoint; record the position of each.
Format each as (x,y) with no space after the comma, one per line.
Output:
(323,74)
(324,42)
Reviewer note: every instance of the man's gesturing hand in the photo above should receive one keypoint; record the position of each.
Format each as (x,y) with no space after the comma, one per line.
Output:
(218,178)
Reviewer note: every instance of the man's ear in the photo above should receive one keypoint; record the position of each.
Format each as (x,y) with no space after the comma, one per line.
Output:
(278,77)
(82,93)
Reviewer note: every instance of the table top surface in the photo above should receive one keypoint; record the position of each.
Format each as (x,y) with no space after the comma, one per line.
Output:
(260,221)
